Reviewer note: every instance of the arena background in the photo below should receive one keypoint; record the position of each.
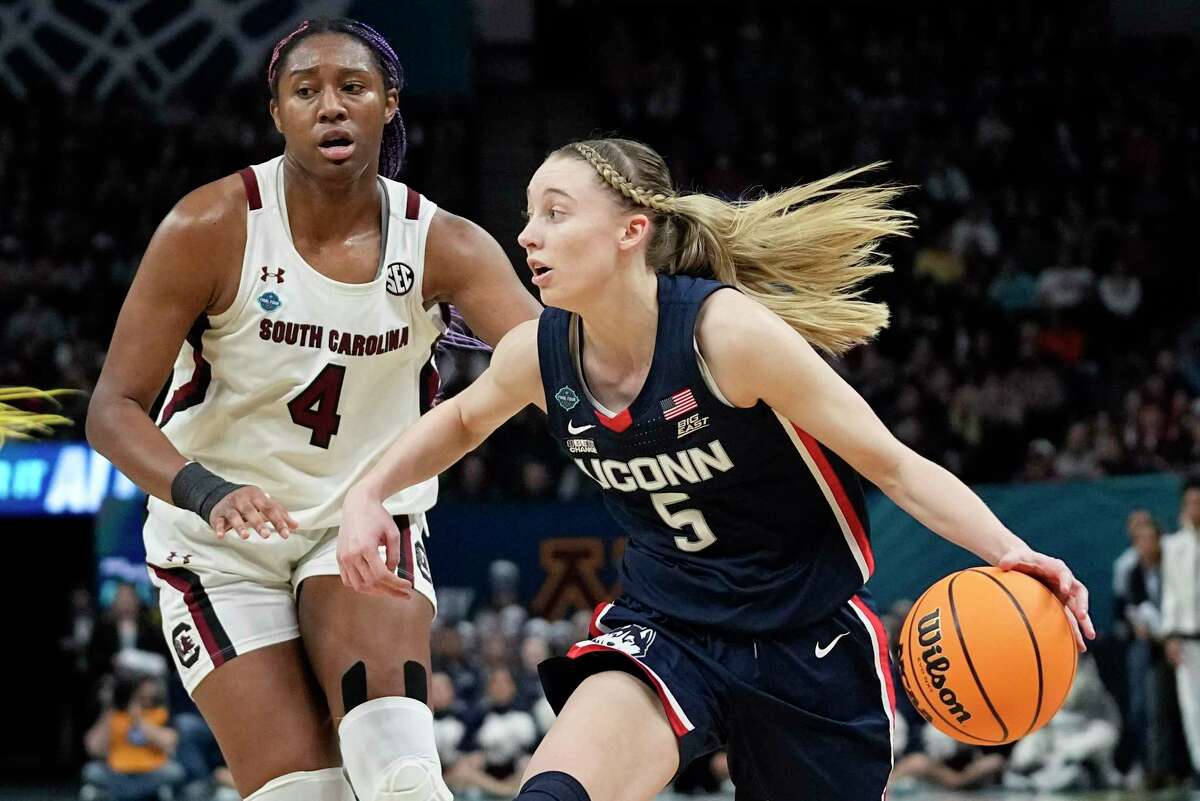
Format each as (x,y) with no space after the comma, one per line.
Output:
(1045,342)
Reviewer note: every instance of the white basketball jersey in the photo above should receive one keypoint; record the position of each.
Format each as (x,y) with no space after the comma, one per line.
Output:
(304,381)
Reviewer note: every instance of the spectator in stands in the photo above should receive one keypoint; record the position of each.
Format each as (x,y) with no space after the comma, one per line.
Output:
(1181,613)
(943,762)
(132,745)
(78,696)
(127,634)
(449,656)
(1074,751)
(506,734)
(1077,460)
(451,731)
(1153,720)
(1120,293)
(486,751)
(1039,461)
(534,651)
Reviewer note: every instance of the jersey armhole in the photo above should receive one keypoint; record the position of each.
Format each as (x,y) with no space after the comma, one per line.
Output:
(245,288)
(550,330)
(706,376)
(419,210)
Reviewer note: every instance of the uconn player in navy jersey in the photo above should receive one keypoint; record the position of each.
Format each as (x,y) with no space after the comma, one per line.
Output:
(300,301)
(729,452)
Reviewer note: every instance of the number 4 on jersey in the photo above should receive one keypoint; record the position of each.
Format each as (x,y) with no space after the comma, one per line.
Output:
(315,408)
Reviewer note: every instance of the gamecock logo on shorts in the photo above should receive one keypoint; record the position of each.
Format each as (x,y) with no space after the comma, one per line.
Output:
(423,561)
(631,639)
(186,647)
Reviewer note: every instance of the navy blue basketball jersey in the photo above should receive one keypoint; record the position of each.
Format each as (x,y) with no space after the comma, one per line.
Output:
(738,521)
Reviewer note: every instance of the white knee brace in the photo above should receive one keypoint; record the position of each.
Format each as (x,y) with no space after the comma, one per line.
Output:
(310,785)
(389,751)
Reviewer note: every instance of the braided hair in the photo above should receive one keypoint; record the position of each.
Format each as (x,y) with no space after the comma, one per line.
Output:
(391,149)
(804,252)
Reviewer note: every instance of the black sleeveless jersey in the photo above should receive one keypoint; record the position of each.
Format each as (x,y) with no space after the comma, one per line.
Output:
(738,521)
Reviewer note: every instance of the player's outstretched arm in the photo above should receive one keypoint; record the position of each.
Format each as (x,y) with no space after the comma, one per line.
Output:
(190,265)
(435,442)
(754,356)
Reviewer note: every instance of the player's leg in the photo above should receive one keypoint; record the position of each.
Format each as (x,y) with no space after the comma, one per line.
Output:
(230,616)
(634,703)
(371,658)
(611,742)
(365,651)
(273,726)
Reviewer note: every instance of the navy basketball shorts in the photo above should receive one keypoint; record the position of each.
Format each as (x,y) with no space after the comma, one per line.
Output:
(805,716)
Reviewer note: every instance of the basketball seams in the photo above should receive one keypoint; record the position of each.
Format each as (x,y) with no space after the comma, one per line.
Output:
(970,664)
(1037,652)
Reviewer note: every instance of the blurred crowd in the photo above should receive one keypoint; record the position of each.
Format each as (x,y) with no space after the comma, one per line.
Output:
(1042,324)
(1042,318)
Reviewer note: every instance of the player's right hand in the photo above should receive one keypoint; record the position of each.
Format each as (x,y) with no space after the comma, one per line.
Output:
(249,509)
(365,529)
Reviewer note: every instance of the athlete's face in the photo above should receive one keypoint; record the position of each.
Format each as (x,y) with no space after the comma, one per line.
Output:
(332,105)
(577,233)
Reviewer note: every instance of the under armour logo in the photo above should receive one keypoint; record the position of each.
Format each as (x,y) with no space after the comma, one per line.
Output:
(184,558)
(276,274)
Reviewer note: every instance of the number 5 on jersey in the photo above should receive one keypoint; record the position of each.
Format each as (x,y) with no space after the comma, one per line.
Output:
(692,518)
(315,408)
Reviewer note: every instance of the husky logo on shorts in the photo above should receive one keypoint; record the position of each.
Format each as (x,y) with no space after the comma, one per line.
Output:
(187,648)
(423,561)
(631,639)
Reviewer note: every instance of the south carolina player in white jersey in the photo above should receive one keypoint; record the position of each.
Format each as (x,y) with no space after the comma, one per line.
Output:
(301,301)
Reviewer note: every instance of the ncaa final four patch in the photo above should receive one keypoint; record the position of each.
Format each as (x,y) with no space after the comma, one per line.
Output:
(567,398)
(269,301)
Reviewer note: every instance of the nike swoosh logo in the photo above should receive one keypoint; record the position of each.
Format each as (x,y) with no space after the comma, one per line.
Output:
(823,652)
(571,429)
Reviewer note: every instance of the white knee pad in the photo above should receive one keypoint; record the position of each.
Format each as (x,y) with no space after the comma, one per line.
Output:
(308,785)
(389,751)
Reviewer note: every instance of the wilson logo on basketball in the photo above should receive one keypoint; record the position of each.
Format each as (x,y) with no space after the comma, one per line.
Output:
(929,634)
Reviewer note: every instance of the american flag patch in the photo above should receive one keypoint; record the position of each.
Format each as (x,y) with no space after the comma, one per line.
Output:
(678,404)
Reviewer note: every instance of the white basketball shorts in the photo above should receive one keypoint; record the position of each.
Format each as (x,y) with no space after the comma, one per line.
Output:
(221,598)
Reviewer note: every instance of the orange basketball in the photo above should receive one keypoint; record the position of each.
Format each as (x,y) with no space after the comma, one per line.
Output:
(987,656)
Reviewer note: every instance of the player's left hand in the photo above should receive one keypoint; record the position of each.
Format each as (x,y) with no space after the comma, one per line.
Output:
(366,527)
(1055,574)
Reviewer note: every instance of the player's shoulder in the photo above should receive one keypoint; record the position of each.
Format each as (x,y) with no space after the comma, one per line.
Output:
(731,319)
(515,363)
(736,335)
(452,238)
(519,344)
(216,208)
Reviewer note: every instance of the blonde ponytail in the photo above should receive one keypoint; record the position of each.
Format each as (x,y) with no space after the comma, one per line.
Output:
(804,252)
